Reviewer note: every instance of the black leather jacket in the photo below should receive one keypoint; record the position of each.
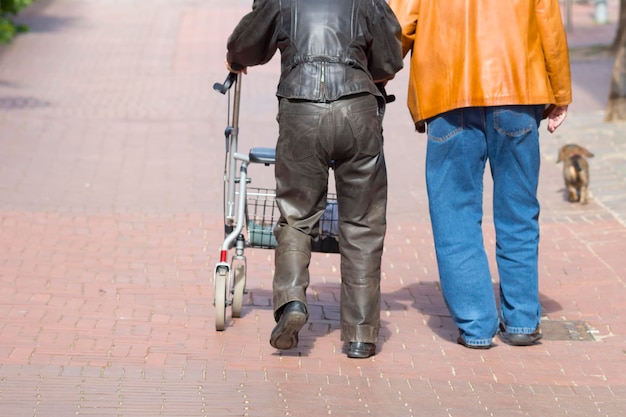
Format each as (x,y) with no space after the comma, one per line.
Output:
(329,48)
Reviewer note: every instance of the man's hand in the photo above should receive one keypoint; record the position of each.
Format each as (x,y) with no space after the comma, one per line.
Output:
(556,117)
(236,70)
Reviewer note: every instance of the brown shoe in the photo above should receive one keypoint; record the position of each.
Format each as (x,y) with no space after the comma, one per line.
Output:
(292,318)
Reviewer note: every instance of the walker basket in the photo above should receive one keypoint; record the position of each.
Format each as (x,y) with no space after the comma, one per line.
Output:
(263,215)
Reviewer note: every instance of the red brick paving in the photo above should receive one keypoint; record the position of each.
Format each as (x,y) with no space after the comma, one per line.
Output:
(111,164)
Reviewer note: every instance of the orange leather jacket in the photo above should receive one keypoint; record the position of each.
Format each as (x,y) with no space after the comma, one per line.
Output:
(474,53)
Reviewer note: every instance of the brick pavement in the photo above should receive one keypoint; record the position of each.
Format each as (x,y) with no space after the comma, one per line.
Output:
(110,224)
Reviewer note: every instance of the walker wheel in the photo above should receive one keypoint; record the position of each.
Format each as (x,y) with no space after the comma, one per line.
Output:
(220,280)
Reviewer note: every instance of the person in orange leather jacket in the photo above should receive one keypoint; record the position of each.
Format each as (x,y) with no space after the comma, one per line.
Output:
(483,75)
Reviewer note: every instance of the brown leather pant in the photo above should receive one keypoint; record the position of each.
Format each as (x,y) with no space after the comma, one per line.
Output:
(311,135)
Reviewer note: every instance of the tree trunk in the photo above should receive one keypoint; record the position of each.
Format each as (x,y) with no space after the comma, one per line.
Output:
(621,26)
(616,107)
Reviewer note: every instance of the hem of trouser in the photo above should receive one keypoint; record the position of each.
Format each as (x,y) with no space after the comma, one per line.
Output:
(478,342)
(521,330)
(287,297)
(366,334)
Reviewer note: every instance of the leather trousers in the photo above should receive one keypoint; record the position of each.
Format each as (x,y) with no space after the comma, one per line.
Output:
(346,134)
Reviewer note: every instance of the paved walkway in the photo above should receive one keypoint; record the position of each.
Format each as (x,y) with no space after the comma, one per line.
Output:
(111,161)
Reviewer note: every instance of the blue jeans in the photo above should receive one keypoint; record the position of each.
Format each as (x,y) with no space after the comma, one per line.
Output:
(459,144)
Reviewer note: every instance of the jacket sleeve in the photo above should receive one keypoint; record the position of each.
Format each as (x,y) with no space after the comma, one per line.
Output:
(385,53)
(555,49)
(407,12)
(255,38)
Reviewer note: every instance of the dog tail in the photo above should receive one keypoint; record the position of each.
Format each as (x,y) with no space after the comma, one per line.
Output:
(576,162)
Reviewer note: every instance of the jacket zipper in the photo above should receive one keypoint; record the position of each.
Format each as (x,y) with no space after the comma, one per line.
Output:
(322,81)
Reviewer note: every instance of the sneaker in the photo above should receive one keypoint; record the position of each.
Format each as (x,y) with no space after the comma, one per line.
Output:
(292,318)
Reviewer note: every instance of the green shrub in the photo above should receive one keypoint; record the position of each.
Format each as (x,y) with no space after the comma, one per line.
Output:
(8,10)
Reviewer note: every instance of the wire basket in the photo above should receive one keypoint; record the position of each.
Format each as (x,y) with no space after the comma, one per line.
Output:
(262,217)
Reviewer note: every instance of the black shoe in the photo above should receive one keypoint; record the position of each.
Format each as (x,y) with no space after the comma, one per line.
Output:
(361,350)
(461,341)
(521,339)
(292,318)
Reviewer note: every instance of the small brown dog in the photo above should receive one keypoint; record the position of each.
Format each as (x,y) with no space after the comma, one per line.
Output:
(575,171)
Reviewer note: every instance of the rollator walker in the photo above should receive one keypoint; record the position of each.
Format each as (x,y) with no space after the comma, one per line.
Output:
(250,214)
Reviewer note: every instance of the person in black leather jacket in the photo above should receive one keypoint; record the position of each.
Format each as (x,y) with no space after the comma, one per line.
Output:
(335,54)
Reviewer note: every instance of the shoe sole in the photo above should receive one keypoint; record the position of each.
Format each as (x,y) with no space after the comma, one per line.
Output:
(361,354)
(285,334)
(523,340)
